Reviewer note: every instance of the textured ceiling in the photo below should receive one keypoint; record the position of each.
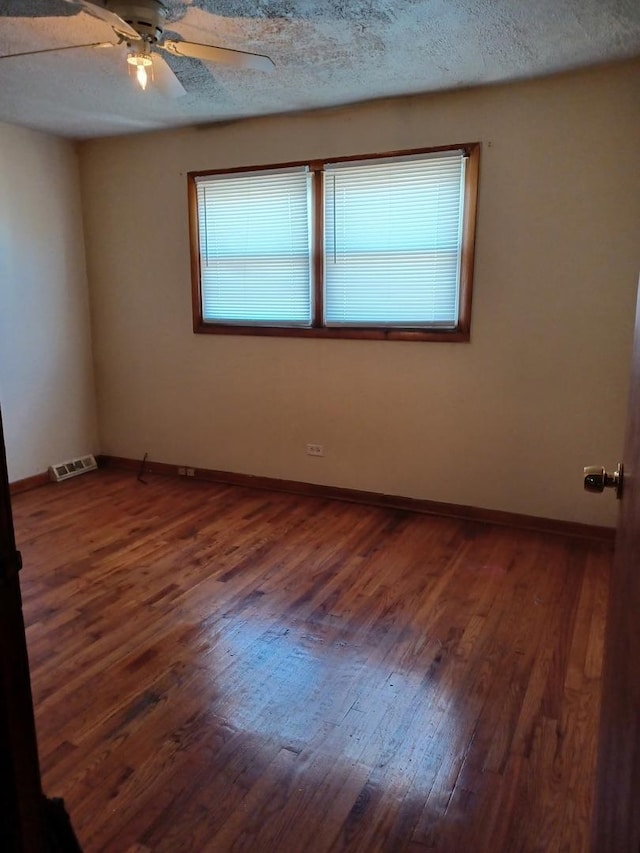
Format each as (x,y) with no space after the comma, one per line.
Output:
(327,53)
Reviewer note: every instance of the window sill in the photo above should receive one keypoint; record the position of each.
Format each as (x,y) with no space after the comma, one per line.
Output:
(457,335)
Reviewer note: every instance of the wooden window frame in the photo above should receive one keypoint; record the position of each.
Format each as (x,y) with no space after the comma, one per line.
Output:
(460,333)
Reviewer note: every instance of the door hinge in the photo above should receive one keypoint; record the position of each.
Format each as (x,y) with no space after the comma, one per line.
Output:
(10,564)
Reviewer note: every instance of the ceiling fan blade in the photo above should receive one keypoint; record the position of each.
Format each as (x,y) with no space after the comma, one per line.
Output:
(222,55)
(122,28)
(164,80)
(56,49)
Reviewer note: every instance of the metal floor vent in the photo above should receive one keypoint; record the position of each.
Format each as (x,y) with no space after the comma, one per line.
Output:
(64,470)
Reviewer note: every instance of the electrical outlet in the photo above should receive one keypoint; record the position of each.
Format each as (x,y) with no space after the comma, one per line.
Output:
(182,472)
(315,449)
(191,472)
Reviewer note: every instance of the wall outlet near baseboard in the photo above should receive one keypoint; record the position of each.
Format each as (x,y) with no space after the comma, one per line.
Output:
(315,449)
(191,472)
(182,472)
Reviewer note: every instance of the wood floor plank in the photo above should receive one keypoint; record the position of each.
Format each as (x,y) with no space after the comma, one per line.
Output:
(221,668)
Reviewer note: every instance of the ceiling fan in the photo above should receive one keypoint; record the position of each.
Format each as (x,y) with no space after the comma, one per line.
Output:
(139,24)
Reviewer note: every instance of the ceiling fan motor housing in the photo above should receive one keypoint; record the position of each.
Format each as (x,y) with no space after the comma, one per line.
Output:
(147,17)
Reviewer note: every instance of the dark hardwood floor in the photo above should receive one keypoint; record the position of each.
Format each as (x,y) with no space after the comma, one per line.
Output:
(216,668)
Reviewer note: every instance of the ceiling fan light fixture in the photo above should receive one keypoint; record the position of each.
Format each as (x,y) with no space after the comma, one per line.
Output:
(139,26)
(140,61)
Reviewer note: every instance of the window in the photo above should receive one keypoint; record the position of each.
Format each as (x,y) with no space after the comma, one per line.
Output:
(255,247)
(377,247)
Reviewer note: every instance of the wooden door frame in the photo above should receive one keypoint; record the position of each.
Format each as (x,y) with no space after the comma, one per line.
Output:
(616,805)
(21,815)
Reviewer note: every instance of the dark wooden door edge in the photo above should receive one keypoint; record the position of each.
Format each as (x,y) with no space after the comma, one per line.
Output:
(21,818)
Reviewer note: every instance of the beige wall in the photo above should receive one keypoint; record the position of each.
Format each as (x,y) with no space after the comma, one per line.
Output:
(46,374)
(505,422)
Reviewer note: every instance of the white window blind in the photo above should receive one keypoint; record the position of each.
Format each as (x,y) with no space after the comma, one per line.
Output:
(393,241)
(255,247)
